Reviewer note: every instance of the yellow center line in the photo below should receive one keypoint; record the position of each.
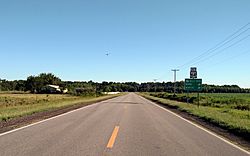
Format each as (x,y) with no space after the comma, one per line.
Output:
(113,137)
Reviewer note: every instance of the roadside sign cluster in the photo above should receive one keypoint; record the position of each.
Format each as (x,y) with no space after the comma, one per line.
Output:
(193,84)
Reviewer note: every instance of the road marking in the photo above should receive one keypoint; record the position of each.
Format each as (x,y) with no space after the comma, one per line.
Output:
(57,116)
(202,128)
(113,137)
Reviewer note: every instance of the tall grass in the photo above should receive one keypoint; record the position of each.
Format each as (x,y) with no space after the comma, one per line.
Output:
(240,101)
(17,105)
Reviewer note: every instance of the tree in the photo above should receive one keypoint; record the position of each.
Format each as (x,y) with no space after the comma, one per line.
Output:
(35,84)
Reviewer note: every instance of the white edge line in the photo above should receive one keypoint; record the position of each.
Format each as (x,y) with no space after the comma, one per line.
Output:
(211,133)
(57,116)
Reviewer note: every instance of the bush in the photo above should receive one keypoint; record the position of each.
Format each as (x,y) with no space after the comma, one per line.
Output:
(88,91)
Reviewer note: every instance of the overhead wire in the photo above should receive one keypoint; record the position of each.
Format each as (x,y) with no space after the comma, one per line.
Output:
(220,51)
(214,50)
(227,40)
(230,58)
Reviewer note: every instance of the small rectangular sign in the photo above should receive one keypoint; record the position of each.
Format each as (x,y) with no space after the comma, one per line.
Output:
(193,73)
(193,84)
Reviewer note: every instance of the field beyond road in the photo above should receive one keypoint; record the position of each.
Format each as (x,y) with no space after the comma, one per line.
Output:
(18,105)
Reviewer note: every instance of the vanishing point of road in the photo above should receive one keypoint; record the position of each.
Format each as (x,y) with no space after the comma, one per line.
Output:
(128,125)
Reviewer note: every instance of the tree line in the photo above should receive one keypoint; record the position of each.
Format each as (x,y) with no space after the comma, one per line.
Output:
(38,84)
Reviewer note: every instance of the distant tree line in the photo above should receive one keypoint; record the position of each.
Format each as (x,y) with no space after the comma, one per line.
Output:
(37,84)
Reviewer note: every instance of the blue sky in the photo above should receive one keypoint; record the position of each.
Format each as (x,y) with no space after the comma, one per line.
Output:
(146,39)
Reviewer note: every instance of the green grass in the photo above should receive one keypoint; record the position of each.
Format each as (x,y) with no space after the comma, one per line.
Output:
(235,120)
(17,105)
(238,101)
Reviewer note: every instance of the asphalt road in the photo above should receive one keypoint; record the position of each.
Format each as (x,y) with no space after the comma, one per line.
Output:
(124,126)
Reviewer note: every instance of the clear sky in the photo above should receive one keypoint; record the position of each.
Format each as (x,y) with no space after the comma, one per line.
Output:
(146,39)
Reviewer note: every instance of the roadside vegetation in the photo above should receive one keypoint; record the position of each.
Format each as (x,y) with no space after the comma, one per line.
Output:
(45,92)
(228,111)
(39,84)
(14,105)
(240,101)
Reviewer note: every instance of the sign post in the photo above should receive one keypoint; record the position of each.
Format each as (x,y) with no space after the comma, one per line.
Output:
(193,84)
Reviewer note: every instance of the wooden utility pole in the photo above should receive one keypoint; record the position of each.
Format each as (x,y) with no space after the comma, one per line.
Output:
(175,70)
(155,84)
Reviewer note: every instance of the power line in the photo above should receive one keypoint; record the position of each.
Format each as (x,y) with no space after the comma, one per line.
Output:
(214,50)
(219,45)
(230,58)
(218,52)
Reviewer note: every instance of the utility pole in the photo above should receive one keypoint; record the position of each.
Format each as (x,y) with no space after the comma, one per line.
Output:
(175,70)
(155,84)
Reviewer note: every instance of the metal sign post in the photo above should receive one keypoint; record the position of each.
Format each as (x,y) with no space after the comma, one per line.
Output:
(198,99)
(193,84)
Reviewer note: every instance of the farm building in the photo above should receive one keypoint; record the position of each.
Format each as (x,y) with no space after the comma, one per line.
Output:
(55,89)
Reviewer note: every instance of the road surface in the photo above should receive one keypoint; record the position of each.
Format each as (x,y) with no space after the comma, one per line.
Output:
(124,126)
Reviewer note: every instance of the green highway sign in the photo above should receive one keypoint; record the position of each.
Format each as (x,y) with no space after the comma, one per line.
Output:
(193,84)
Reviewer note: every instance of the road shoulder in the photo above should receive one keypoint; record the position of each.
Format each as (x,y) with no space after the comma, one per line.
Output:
(225,134)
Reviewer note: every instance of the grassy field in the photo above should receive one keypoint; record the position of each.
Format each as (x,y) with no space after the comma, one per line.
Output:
(14,105)
(240,101)
(219,109)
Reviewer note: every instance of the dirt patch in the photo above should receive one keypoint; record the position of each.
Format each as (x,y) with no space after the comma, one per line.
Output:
(29,119)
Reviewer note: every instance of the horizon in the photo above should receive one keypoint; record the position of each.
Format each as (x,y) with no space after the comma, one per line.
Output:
(126,81)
